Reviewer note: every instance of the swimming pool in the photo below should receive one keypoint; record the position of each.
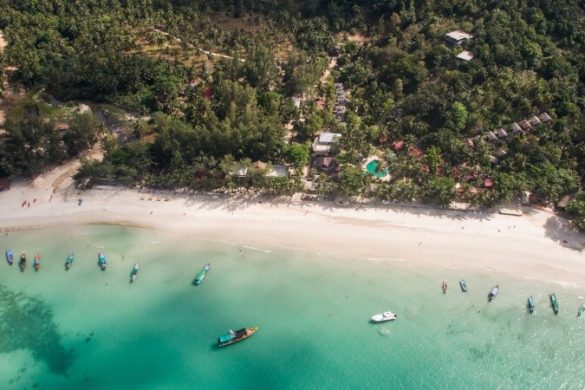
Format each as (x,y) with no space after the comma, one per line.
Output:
(374,168)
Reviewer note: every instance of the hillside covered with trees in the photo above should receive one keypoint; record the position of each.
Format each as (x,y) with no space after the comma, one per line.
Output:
(228,83)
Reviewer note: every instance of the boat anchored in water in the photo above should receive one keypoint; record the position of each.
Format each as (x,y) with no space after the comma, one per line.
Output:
(444,286)
(531,304)
(201,274)
(386,316)
(69,261)
(37,262)
(102,261)
(581,311)
(134,272)
(463,285)
(554,302)
(22,262)
(233,337)
(9,257)
(493,292)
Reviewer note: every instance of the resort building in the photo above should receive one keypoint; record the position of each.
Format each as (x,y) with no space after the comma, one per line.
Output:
(457,37)
(324,143)
(501,133)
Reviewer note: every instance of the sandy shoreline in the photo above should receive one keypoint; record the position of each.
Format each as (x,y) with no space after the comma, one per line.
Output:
(530,246)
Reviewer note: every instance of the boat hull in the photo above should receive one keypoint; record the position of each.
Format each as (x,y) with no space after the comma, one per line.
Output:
(381,318)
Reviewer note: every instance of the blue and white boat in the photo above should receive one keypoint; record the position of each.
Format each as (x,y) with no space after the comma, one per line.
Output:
(201,274)
(9,257)
(102,261)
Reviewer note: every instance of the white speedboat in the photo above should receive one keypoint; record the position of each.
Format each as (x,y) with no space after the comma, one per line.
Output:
(386,316)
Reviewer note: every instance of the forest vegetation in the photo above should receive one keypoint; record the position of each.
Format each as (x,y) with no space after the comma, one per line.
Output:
(216,79)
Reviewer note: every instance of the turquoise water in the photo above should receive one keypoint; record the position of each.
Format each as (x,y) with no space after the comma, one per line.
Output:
(373,168)
(93,330)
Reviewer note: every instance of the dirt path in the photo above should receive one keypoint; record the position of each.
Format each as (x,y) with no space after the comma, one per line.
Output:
(3,45)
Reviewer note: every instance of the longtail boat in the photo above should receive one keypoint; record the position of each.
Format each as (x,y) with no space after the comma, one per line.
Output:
(493,292)
(134,272)
(531,304)
(22,262)
(233,337)
(69,261)
(554,302)
(37,262)
(581,311)
(102,261)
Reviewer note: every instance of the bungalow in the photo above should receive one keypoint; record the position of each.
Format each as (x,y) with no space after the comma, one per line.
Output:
(564,202)
(469,142)
(516,128)
(501,153)
(457,37)
(534,121)
(324,143)
(544,117)
(501,133)
(327,165)
(465,55)
(493,159)
(525,125)
(491,136)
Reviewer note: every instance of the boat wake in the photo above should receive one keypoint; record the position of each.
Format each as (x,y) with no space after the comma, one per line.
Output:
(253,248)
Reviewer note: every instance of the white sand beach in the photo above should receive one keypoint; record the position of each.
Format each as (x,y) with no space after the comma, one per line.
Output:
(538,245)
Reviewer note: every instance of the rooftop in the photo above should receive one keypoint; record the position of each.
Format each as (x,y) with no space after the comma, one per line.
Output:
(466,55)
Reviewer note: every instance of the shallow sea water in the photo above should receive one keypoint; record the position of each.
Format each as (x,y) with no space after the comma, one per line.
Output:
(94,330)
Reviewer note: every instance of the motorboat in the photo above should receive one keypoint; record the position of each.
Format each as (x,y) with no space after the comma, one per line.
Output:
(234,336)
(463,285)
(386,316)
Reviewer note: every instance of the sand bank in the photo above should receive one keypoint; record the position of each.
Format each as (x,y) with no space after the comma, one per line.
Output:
(538,245)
